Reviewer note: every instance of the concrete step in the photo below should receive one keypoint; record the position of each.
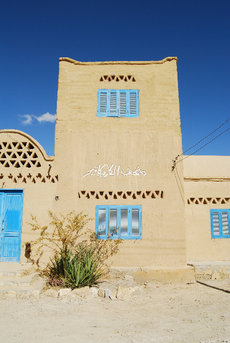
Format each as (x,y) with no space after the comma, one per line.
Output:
(219,270)
(19,279)
(10,274)
(20,293)
(14,284)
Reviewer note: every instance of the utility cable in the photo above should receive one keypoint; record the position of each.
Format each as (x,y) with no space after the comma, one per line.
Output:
(202,139)
(175,161)
(220,134)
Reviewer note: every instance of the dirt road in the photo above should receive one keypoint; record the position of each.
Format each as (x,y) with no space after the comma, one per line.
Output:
(161,314)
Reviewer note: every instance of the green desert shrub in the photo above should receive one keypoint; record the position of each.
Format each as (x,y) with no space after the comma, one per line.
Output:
(77,258)
(75,271)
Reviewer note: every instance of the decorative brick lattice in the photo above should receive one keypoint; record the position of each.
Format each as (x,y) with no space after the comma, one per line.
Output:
(30,178)
(207,201)
(18,154)
(118,78)
(120,195)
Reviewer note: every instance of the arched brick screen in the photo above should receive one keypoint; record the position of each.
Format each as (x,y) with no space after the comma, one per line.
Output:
(23,160)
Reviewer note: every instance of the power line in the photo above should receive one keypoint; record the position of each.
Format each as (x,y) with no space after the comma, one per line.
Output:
(175,161)
(202,139)
(220,134)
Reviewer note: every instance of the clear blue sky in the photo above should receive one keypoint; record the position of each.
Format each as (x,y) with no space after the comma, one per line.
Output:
(34,34)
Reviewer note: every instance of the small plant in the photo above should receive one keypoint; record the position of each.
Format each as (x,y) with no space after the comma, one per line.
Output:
(77,259)
(74,271)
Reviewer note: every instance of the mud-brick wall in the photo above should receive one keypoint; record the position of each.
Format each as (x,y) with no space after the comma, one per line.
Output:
(147,143)
(24,165)
(207,187)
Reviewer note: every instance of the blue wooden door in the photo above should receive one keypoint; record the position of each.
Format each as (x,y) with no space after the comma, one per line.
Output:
(11,206)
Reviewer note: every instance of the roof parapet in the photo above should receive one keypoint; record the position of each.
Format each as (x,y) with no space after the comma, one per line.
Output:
(167,59)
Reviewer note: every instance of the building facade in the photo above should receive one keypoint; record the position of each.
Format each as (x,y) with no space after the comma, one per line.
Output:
(117,132)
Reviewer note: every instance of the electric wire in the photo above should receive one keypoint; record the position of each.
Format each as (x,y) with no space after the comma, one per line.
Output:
(175,161)
(220,134)
(202,139)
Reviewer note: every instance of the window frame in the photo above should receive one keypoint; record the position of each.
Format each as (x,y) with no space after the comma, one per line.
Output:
(129,235)
(118,93)
(221,234)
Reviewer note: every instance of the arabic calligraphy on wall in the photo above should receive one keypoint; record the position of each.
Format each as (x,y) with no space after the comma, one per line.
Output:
(105,170)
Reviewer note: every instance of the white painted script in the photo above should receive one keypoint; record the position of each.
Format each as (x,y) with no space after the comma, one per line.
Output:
(105,170)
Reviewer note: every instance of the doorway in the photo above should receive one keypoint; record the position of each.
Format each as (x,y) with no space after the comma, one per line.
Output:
(11,208)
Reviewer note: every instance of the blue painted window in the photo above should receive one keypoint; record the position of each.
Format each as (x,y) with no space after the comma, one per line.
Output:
(220,223)
(118,103)
(118,222)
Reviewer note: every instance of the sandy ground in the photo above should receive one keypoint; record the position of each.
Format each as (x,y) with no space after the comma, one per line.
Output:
(190,313)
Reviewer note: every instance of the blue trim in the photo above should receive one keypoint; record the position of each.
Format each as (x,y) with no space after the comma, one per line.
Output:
(118,235)
(118,92)
(12,190)
(220,211)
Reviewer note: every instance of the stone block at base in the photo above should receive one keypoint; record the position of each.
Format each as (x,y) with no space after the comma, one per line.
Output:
(165,275)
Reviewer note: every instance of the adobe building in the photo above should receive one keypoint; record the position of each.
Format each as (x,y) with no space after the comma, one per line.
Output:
(117,132)
(207,211)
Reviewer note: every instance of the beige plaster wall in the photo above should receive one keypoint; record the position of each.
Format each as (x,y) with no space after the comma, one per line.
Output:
(38,179)
(207,186)
(149,142)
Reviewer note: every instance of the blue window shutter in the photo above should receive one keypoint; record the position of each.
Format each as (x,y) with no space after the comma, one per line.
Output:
(123,108)
(220,223)
(133,105)
(113,103)
(215,223)
(102,102)
(118,103)
(225,223)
